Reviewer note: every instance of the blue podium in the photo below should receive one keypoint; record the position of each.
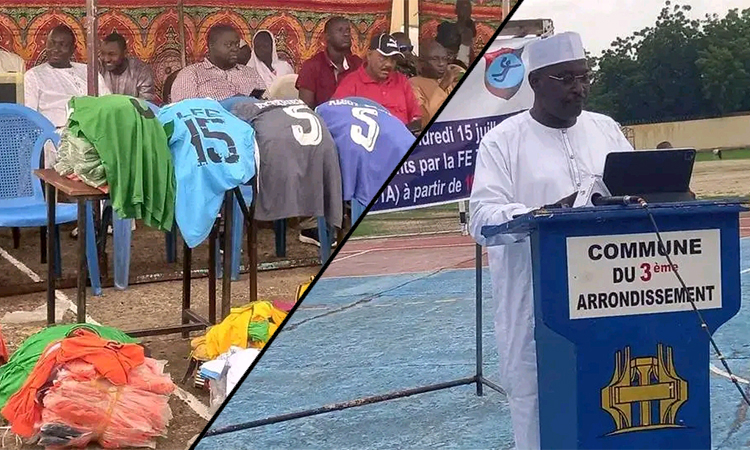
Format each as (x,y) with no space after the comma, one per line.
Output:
(623,361)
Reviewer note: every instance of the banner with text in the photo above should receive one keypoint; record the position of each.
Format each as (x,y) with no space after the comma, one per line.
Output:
(440,169)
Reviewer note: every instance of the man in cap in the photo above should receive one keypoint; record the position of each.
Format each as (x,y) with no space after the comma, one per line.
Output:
(536,158)
(378,81)
(449,36)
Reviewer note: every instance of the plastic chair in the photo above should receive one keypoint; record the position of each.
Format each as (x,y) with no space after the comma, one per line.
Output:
(238,230)
(278,225)
(23,134)
(122,235)
(357,210)
(326,237)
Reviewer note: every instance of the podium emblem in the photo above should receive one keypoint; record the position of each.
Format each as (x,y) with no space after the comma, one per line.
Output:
(645,393)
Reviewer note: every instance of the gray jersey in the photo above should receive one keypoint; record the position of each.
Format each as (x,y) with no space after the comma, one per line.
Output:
(299,163)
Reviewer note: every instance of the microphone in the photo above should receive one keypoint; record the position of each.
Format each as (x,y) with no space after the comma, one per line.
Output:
(601,200)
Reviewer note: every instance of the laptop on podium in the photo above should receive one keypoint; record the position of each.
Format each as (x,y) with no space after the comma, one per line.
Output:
(657,176)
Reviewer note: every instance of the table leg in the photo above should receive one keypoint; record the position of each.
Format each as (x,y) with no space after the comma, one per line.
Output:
(252,250)
(252,241)
(212,239)
(51,208)
(187,260)
(42,241)
(226,276)
(81,297)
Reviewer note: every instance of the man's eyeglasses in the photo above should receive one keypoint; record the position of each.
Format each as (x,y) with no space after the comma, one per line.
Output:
(569,79)
(405,48)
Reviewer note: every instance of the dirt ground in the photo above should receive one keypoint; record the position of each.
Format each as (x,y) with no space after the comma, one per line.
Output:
(148,305)
(155,304)
(721,178)
(148,254)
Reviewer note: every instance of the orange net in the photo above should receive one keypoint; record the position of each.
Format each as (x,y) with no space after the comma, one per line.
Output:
(81,408)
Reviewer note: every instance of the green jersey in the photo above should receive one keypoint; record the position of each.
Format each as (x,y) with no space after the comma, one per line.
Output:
(135,153)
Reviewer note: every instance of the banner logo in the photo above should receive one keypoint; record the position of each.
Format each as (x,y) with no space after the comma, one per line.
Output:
(504,72)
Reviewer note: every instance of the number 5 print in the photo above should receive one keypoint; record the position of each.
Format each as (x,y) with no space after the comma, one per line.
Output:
(315,135)
(373,129)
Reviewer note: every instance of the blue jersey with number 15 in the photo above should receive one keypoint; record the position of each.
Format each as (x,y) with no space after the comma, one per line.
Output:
(371,143)
(213,152)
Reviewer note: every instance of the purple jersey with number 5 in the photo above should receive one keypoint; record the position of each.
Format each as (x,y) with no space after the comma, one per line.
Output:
(371,143)
(213,152)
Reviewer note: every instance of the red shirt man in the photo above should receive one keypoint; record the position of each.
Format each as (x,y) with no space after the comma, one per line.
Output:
(378,81)
(320,74)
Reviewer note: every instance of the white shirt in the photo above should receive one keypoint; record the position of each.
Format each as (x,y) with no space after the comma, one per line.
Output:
(48,90)
(523,165)
(10,62)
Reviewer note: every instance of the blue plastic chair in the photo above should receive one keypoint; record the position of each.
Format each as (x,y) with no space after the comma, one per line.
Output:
(326,239)
(357,210)
(238,230)
(122,234)
(23,134)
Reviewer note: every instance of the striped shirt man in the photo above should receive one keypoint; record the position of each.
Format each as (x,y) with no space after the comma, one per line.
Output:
(205,80)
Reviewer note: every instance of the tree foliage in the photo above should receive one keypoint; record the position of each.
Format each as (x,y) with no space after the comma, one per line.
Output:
(680,67)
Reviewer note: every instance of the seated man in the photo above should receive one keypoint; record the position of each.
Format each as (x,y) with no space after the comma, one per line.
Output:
(125,75)
(378,81)
(435,81)
(219,76)
(50,86)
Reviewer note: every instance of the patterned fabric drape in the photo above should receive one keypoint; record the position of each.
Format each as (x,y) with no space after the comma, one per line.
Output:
(152,31)
(488,14)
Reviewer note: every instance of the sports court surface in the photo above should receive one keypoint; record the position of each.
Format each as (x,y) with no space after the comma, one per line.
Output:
(409,322)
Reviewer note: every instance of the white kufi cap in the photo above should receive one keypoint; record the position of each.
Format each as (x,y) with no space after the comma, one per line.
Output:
(555,49)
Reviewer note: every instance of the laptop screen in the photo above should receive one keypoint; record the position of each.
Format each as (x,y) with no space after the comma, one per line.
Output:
(645,172)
